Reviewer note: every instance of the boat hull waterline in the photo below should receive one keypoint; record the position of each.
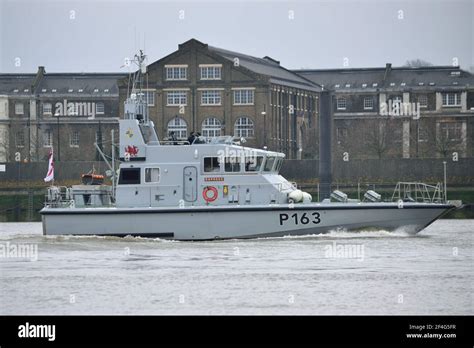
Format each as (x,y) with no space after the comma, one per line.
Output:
(215,222)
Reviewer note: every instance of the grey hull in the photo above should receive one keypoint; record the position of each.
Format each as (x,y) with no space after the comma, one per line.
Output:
(207,223)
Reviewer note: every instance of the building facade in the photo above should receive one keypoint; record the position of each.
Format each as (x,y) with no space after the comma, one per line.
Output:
(67,112)
(219,92)
(406,112)
(424,112)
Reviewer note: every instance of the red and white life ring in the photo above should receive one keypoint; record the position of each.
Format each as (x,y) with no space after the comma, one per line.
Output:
(210,198)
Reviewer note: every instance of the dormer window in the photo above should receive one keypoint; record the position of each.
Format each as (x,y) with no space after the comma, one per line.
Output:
(421,83)
(53,90)
(96,90)
(337,86)
(392,84)
(432,83)
(106,90)
(403,84)
(80,90)
(375,84)
(364,85)
(70,90)
(26,90)
(44,90)
(348,85)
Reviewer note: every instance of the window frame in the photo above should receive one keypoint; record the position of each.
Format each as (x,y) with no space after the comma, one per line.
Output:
(210,67)
(179,98)
(145,176)
(50,106)
(371,100)
(211,172)
(97,112)
(445,97)
(249,97)
(74,139)
(19,108)
(218,95)
(135,169)
(238,127)
(179,128)
(206,128)
(339,106)
(176,72)
(48,134)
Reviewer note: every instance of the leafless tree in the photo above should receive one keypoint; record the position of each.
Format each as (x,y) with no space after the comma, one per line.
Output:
(417,63)
(376,137)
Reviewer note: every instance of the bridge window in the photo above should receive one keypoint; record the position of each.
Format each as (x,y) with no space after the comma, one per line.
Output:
(211,165)
(211,127)
(269,164)
(129,176)
(232,164)
(253,164)
(152,174)
(179,127)
(244,127)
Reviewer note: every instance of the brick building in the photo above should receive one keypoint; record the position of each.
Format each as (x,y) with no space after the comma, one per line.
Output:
(219,92)
(66,111)
(376,111)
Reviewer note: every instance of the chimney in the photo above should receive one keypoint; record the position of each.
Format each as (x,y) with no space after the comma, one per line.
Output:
(388,69)
(38,78)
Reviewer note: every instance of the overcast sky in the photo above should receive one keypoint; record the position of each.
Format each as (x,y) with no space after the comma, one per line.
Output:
(96,36)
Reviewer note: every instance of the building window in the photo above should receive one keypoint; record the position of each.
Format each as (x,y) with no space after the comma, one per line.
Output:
(368,103)
(176,98)
(211,97)
(341,134)
(48,138)
(396,100)
(211,72)
(47,108)
(211,127)
(451,99)
(244,97)
(74,139)
(423,100)
(20,139)
(148,97)
(98,138)
(19,108)
(451,131)
(152,175)
(99,108)
(423,134)
(341,103)
(179,127)
(244,127)
(176,72)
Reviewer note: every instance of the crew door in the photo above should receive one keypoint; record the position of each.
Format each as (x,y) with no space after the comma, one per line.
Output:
(190,184)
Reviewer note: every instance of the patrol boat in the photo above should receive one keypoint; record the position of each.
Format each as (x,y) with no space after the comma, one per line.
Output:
(217,188)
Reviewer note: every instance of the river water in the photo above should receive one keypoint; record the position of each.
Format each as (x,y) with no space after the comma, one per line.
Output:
(338,273)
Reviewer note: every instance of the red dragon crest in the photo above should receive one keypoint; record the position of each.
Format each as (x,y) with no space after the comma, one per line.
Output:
(131,150)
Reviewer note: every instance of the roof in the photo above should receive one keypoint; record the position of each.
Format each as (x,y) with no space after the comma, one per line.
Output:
(268,67)
(388,77)
(61,83)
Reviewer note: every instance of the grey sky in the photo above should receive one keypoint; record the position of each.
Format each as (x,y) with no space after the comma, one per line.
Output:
(98,35)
